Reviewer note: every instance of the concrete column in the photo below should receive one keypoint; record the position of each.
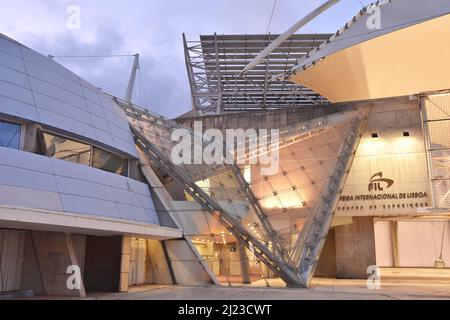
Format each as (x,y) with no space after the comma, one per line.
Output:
(158,271)
(245,269)
(224,258)
(31,275)
(31,141)
(394,242)
(75,261)
(355,248)
(125,264)
(55,253)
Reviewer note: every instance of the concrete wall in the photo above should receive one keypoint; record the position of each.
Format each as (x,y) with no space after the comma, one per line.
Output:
(355,248)
(158,270)
(261,119)
(185,264)
(327,261)
(398,158)
(47,257)
(31,274)
(12,244)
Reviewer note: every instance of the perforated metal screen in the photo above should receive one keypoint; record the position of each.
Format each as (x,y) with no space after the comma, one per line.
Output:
(436,114)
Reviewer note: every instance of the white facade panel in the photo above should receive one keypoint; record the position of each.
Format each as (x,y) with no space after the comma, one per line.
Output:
(62,108)
(25,160)
(73,186)
(9,47)
(95,109)
(12,62)
(33,181)
(26,178)
(19,109)
(72,125)
(91,206)
(14,76)
(29,198)
(13,91)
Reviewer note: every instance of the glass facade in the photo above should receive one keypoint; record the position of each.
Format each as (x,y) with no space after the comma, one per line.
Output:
(66,149)
(104,160)
(81,153)
(10,135)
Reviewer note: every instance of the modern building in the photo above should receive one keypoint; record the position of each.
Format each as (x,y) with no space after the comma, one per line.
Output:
(362,178)
(73,192)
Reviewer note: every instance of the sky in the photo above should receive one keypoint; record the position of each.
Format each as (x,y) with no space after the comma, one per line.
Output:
(152,28)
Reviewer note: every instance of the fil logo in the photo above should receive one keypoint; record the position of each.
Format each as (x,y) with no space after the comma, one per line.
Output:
(378,183)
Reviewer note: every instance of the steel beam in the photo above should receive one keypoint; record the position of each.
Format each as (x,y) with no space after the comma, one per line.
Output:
(282,38)
(210,205)
(130,87)
(312,238)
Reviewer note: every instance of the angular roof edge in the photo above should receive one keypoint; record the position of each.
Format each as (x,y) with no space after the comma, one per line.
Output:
(394,14)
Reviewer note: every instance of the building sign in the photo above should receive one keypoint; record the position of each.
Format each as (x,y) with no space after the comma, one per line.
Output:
(383,194)
(389,174)
(378,186)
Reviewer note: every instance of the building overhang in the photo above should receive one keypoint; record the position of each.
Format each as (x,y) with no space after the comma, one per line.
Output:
(407,54)
(54,221)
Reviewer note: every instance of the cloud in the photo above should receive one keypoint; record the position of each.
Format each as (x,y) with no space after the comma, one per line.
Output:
(153,29)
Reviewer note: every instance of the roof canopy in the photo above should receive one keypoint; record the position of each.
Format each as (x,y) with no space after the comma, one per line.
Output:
(214,64)
(409,54)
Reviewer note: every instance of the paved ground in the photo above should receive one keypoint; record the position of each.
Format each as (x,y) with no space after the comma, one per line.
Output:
(405,283)
(323,289)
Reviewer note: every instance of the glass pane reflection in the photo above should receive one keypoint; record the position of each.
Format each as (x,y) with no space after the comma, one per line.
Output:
(66,149)
(9,135)
(109,162)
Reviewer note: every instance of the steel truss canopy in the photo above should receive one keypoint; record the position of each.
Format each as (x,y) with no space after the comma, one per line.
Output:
(391,48)
(214,64)
(226,196)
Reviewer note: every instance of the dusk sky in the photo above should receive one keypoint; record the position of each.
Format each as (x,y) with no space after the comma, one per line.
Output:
(154,29)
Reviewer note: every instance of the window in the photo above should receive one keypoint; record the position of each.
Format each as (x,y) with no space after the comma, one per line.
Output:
(66,149)
(69,150)
(10,135)
(109,162)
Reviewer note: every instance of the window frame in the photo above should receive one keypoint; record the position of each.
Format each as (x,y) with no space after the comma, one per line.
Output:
(41,137)
(22,131)
(42,131)
(93,147)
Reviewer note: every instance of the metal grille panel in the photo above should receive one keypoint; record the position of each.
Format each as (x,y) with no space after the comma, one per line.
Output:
(436,115)
(214,64)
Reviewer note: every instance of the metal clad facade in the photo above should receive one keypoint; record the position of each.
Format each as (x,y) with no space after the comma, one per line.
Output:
(35,88)
(28,180)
